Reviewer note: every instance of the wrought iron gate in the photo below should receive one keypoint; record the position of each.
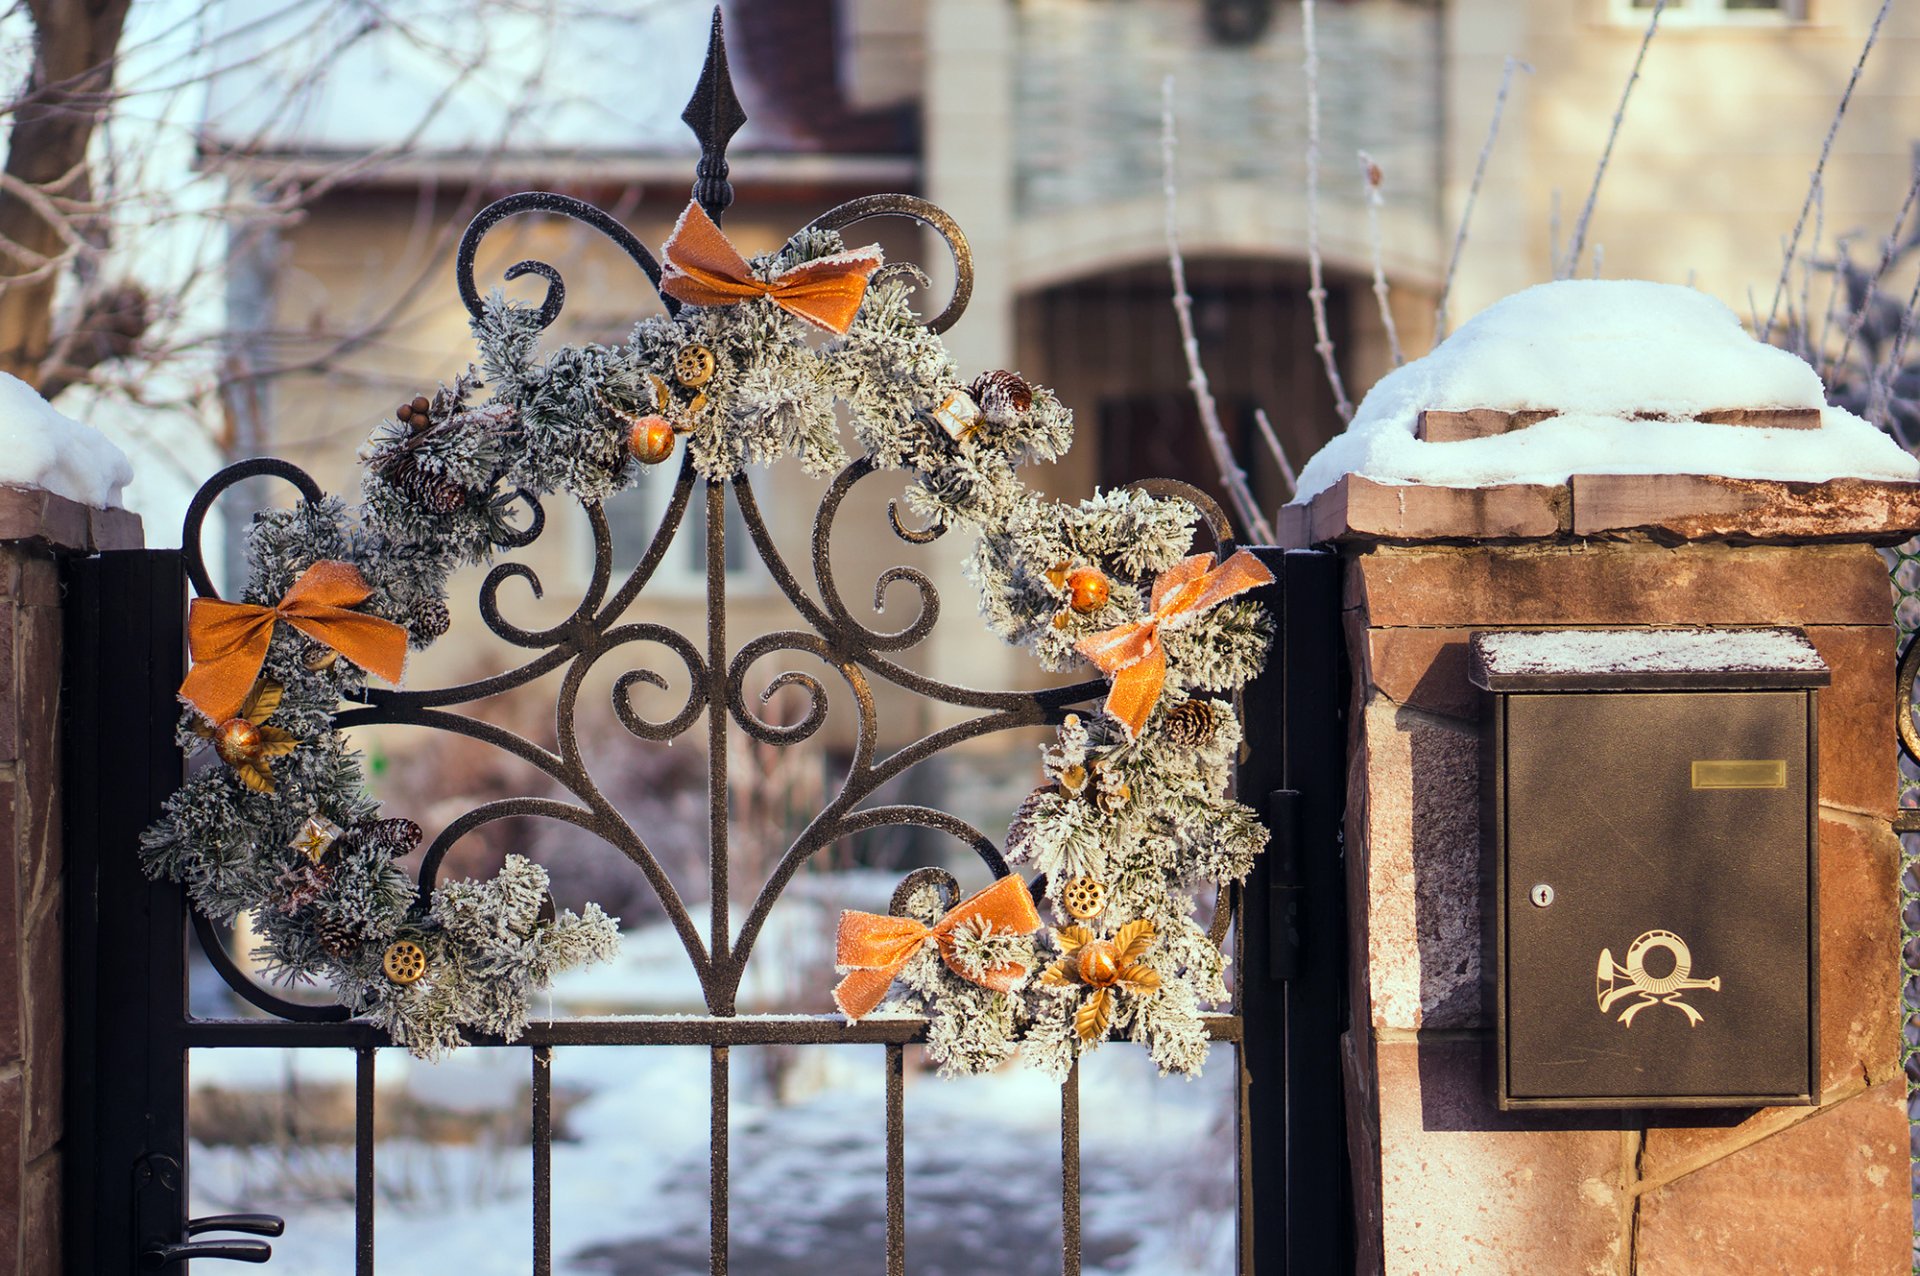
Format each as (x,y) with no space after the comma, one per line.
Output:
(130,1027)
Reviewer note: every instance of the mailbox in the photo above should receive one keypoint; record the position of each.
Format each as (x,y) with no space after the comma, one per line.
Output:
(1650,815)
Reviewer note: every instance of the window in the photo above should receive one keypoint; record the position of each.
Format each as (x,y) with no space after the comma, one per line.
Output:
(634,515)
(1704,12)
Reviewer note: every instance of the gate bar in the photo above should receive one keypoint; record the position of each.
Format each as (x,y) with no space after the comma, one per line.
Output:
(126,1074)
(1293,1084)
(542,1139)
(896,1161)
(364,1062)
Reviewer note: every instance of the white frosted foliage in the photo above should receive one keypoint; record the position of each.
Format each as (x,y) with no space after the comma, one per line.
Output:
(43,448)
(1601,353)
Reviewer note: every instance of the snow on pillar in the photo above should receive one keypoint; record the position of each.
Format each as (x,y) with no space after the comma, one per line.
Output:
(59,490)
(1591,454)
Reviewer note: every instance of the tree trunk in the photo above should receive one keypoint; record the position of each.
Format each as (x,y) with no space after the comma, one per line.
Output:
(67,94)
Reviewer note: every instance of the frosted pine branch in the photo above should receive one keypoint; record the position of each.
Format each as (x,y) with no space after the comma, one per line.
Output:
(1371,176)
(1232,477)
(1317,293)
(1473,196)
(1820,166)
(1577,245)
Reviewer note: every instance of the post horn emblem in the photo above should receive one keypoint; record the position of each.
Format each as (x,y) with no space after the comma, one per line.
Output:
(1649,988)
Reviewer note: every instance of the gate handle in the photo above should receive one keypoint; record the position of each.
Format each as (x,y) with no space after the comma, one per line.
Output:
(161,1256)
(239,1251)
(252,1224)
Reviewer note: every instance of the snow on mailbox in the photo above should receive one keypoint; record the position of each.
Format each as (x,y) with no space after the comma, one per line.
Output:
(1650,815)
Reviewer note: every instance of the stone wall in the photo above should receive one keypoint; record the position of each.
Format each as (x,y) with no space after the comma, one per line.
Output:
(36,529)
(1445,1182)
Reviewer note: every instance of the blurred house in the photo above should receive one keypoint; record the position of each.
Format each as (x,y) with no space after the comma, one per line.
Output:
(1037,124)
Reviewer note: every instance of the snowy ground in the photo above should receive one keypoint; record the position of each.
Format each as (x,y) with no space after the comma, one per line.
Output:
(808,1183)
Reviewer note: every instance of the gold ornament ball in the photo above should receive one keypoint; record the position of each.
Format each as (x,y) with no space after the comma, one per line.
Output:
(1099,963)
(405,962)
(237,741)
(693,366)
(1083,897)
(1087,589)
(319,658)
(651,440)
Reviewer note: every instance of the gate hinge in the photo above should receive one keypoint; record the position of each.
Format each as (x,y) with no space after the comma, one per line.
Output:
(1284,884)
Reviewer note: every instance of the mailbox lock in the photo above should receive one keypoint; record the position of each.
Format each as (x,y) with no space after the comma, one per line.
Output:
(1541,895)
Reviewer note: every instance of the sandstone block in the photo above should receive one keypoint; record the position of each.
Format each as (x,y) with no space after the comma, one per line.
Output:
(1423,669)
(1637,584)
(44,1044)
(1859,952)
(1857,768)
(40,1217)
(1423,903)
(11,1100)
(1357,508)
(1825,1197)
(1701,506)
(1469,1190)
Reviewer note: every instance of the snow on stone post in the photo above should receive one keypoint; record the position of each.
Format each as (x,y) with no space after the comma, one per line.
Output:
(1617,454)
(60,488)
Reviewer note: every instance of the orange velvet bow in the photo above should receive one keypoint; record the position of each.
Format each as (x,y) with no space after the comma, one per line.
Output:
(228,641)
(704,269)
(873,948)
(1131,654)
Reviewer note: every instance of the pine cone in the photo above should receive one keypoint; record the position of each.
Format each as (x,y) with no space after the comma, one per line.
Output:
(434,492)
(1021,829)
(302,885)
(1191,724)
(392,838)
(1002,396)
(337,937)
(430,620)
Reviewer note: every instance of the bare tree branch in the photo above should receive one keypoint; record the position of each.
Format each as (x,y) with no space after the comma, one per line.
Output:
(1820,167)
(1371,176)
(1278,453)
(1577,245)
(1440,324)
(1232,477)
(1317,292)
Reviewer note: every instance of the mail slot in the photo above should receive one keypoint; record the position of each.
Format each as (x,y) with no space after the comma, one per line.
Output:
(1651,821)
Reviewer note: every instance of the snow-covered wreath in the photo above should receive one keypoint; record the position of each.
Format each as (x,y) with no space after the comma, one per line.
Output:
(1131,825)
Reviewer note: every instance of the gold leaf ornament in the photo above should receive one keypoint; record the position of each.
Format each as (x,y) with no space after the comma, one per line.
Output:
(245,743)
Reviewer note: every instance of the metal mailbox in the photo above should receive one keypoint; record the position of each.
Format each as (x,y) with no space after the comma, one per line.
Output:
(1651,817)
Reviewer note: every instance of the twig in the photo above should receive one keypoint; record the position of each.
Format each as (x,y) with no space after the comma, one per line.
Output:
(1232,477)
(1473,195)
(1553,230)
(1889,249)
(1881,381)
(1317,292)
(1820,167)
(1371,175)
(1578,243)
(1806,269)
(1278,453)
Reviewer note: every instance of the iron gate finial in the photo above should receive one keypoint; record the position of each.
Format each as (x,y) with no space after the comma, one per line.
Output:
(714,114)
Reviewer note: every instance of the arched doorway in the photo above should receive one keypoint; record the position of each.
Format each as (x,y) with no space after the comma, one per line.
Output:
(1110,345)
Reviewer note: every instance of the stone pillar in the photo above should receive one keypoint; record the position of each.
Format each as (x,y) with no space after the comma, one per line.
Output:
(1446,1183)
(36,529)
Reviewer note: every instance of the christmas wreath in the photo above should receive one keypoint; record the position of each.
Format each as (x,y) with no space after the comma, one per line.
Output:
(754,365)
